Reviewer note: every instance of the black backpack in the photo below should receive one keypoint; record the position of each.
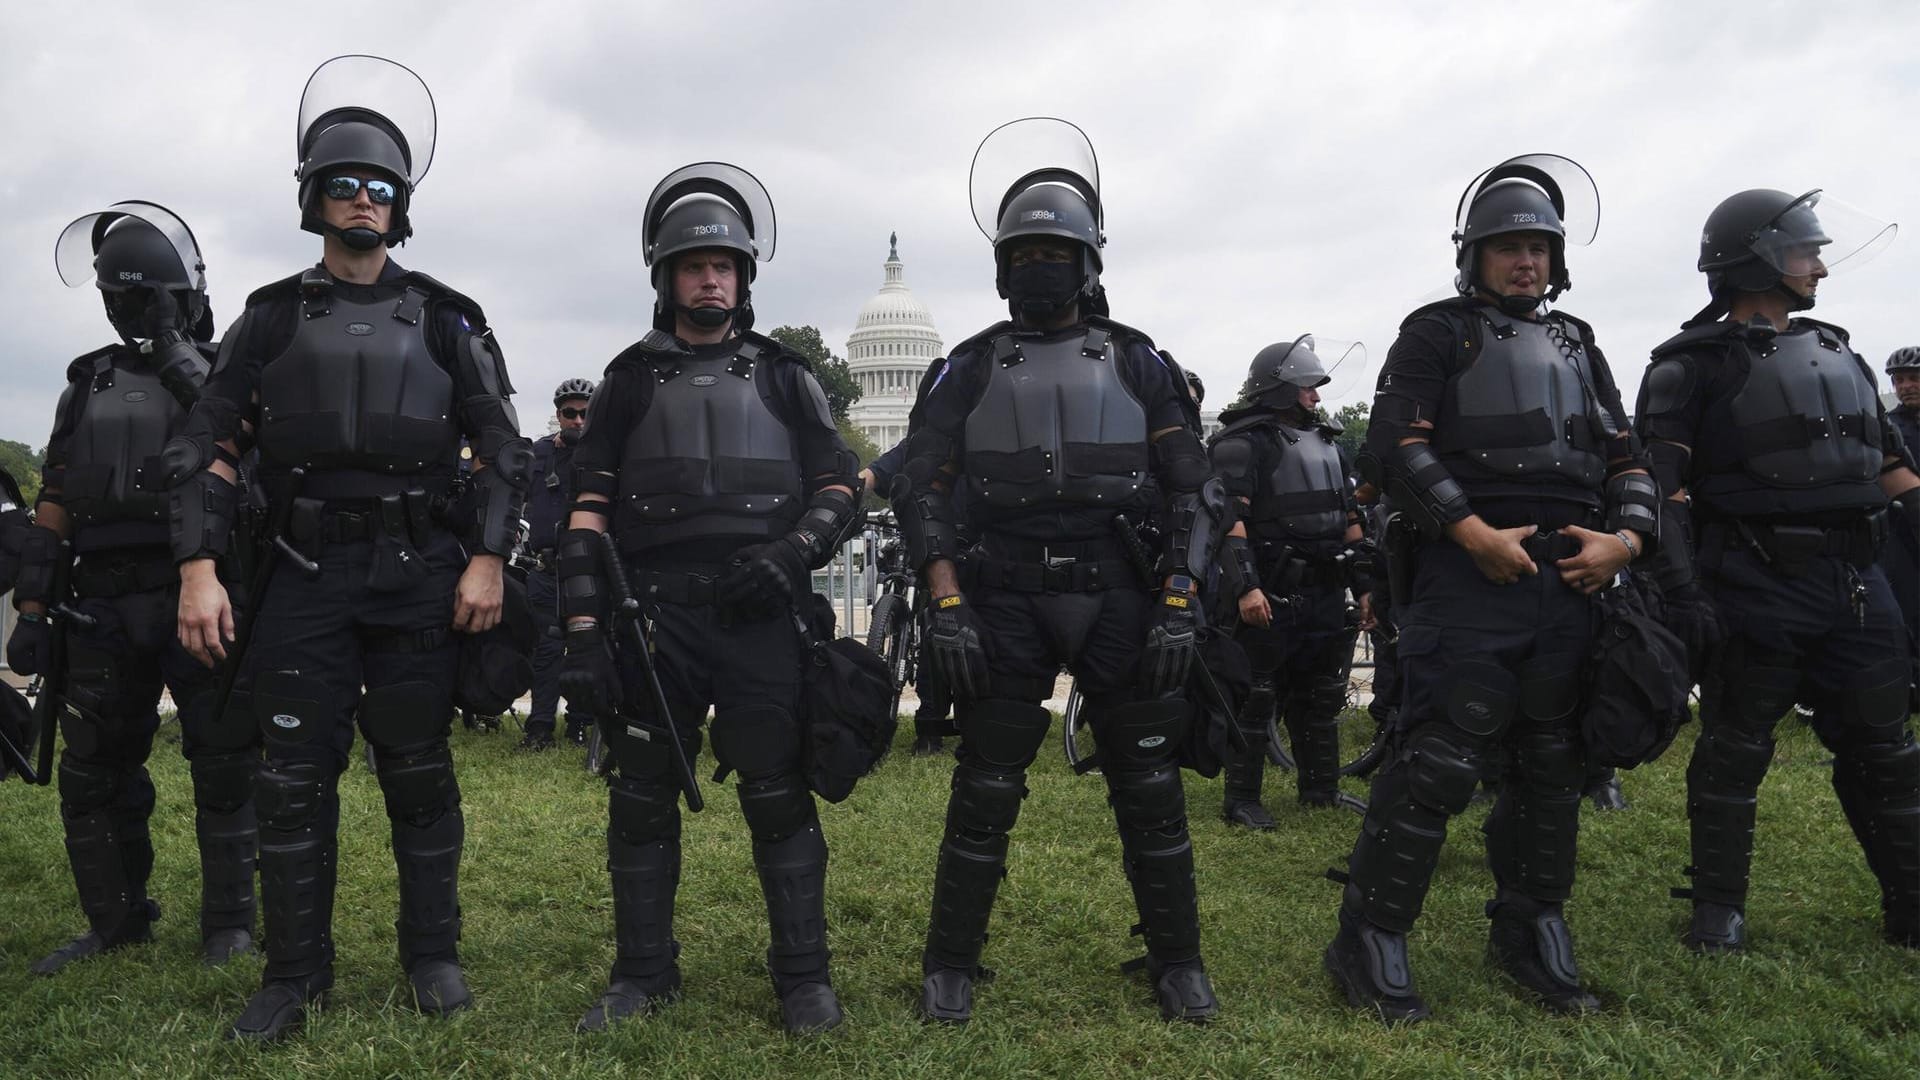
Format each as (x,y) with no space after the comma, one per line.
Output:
(847,702)
(1637,681)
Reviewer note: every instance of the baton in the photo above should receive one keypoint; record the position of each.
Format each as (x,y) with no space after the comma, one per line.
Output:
(628,615)
(257,591)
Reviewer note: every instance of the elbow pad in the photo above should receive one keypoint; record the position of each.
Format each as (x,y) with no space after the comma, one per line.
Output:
(201,511)
(39,553)
(926,520)
(498,499)
(580,592)
(1633,502)
(824,527)
(1183,461)
(1423,487)
(1199,522)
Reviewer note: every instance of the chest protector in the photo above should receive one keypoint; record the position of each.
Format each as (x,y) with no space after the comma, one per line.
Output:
(1522,409)
(126,416)
(1304,496)
(1807,415)
(709,457)
(358,389)
(1057,425)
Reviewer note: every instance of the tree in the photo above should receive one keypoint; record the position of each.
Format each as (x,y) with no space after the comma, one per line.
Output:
(1354,418)
(835,378)
(20,460)
(857,441)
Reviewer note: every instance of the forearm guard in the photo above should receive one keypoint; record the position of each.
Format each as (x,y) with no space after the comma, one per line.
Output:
(1199,522)
(1239,571)
(39,555)
(1423,487)
(823,528)
(498,499)
(1633,502)
(927,521)
(200,516)
(1673,559)
(580,591)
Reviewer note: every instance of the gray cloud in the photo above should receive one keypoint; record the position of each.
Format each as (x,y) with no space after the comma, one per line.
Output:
(1269,169)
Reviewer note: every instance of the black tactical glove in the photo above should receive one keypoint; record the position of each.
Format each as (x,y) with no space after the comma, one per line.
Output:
(764,578)
(32,639)
(180,367)
(588,678)
(1688,611)
(957,646)
(1170,642)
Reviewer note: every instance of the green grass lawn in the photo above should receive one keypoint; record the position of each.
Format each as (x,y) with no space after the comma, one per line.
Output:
(1819,994)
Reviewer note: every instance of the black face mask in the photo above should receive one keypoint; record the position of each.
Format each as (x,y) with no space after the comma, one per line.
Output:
(1040,289)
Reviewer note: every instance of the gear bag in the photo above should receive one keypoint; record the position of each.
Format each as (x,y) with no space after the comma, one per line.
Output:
(1636,684)
(1210,741)
(494,668)
(846,705)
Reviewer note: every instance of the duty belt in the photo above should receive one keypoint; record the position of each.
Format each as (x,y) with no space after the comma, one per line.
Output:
(676,587)
(1549,547)
(1031,566)
(1790,548)
(104,581)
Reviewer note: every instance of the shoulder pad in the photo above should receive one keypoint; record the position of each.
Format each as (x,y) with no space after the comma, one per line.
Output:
(1717,332)
(1332,429)
(1239,428)
(82,366)
(437,290)
(1449,311)
(1122,330)
(769,349)
(654,346)
(287,288)
(979,340)
(1580,326)
(1827,329)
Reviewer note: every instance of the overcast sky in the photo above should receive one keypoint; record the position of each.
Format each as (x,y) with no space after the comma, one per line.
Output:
(1268,168)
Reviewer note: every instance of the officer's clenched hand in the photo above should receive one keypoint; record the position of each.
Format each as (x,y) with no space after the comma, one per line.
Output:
(27,649)
(205,619)
(1497,552)
(1600,557)
(763,578)
(1170,641)
(1365,604)
(588,679)
(958,646)
(479,596)
(1254,609)
(1688,611)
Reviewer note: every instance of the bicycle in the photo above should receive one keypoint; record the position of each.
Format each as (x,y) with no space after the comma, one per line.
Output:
(893,624)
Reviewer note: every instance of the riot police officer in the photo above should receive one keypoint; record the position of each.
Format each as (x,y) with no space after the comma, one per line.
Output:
(1768,433)
(1901,558)
(1055,419)
(549,493)
(356,381)
(1497,425)
(1303,544)
(102,493)
(712,455)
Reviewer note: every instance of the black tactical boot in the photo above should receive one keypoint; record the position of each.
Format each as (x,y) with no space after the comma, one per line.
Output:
(279,1008)
(627,998)
(1337,799)
(1369,964)
(439,987)
(1716,928)
(537,738)
(1529,941)
(946,995)
(645,976)
(1605,794)
(427,858)
(117,908)
(1242,806)
(928,746)
(1183,991)
(793,878)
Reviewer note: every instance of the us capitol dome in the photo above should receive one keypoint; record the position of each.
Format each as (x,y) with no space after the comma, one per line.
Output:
(892,343)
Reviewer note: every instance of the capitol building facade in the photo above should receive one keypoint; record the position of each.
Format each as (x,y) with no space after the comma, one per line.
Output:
(892,343)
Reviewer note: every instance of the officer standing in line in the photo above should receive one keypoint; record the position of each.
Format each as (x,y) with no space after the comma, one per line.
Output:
(1497,425)
(1055,420)
(1901,557)
(356,380)
(712,455)
(1302,542)
(1779,460)
(549,493)
(101,491)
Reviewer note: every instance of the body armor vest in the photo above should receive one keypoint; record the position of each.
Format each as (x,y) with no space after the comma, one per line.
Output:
(1805,431)
(1523,409)
(358,392)
(1305,493)
(126,417)
(1057,425)
(709,458)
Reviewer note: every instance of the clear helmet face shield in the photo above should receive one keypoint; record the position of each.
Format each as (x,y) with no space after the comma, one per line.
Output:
(1817,233)
(1023,153)
(730,184)
(74,251)
(370,89)
(1565,182)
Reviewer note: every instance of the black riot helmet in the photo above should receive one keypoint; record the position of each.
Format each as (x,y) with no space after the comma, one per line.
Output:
(1038,178)
(707,205)
(141,257)
(1309,362)
(368,113)
(1755,239)
(1543,193)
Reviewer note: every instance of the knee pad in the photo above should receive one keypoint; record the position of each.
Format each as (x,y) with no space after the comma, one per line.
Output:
(1326,696)
(1441,773)
(1141,734)
(1481,698)
(1550,760)
(1730,760)
(292,712)
(1550,686)
(1149,801)
(639,812)
(403,717)
(419,785)
(776,806)
(291,796)
(222,783)
(86,786)
(1887,776)
(756,740)
(1002,735)
(1754,697)
(984,803)
(1259,706)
